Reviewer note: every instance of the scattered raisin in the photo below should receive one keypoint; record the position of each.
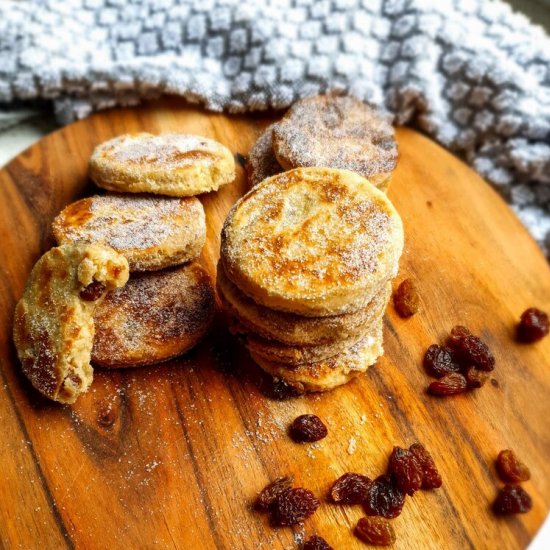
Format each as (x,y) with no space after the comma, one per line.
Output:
(533,325)
(315,542)
(405,299)
(308,428)
(269,494)
(292,506)
(350,489)
(406,470)
(450,384)
(470,349)
(476,377)
(512,499)
(431,479)
(278,390)
(93,291)
(384,498)
(510,468)
(458,333)
(375,531)
(439,361)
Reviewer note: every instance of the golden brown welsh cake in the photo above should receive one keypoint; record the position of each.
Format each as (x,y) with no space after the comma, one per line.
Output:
(337,132)
(293,329)
(53,326)
(332,372)
(178,165)
(312,241)
(155,317)
(294,355)
(151,232)
(262,163)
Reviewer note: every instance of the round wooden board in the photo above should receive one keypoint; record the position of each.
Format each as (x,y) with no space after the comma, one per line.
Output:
(172,456)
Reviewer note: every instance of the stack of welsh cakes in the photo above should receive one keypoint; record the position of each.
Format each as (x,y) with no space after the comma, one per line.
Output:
(307,259)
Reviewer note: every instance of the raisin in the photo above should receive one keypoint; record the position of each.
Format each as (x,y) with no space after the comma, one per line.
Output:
(431,478)
(308,428)
(93,291)
(292,506)
(476,377)
(406,470)
(450,384)
(458,333)
(439,361)
(279,390)
(384,498)
(510,468)
(469,349)
(269,494)
(512,499)
(375,531)
(350,489)
(315,542)
(533,325)
(405,299)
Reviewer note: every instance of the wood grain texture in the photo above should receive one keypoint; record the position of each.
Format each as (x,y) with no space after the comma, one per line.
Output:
(172,456)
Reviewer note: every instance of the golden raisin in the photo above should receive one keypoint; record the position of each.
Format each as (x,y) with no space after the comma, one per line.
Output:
(510,468)
(405,299)
(375,531)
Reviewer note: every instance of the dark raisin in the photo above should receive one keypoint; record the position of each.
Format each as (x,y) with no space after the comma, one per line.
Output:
(308,428)
(470,350)
(406,470)
(510,468)
(439,361)
(431,478)
(350,489)
(315,542)
(375,531)
(269,494)
(93,291)
(292,506)
(384,498)
(512,499)
(279,390)
(458,333)
(450,384)
(405,299)
(476,377)
(475,351)
(533,325)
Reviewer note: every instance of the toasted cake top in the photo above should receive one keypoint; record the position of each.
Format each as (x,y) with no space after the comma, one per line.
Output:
(312,241)
(167,164)
(336,132)
(150,231)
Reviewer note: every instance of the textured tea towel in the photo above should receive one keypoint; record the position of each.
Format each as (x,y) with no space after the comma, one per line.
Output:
(470,73)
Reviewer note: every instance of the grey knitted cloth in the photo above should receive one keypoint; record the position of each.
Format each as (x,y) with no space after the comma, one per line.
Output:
(470,73)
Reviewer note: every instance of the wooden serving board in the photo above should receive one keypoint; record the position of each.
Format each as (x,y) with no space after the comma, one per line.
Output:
(172,456)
